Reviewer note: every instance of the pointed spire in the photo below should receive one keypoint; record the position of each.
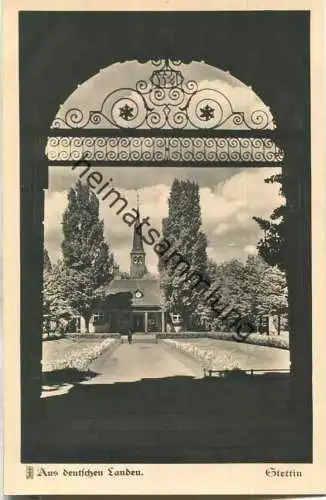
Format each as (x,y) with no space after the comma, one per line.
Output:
(137,245)
(137,254)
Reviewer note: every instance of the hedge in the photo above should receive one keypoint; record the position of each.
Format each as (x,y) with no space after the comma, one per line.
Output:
(93,336)
(280,342)
(182,335)
(80,358)
(205,357)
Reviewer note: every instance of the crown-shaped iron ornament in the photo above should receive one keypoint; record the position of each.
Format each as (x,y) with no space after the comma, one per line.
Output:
(167,77)
(166,101)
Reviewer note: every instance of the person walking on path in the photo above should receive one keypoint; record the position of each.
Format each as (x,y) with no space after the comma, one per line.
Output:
(130,336)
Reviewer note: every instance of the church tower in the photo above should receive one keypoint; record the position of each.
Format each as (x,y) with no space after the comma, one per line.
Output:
(137,254)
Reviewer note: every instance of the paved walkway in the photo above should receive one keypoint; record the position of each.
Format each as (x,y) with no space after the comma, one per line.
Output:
(130,363)
(146,405)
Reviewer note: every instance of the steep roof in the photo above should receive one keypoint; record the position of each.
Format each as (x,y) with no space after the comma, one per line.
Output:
(150,293)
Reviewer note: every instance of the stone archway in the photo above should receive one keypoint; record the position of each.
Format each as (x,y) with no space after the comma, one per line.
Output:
(293,137)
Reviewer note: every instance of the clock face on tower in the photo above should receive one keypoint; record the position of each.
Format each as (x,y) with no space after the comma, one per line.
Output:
(137,259)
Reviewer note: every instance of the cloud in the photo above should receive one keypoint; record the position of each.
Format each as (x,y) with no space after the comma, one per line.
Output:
(131,178)
(228,209)
(221,228)
(227,204)
(251,250)
(231,204)
(119,236)
(153,204)
(227,90)
(234,96)
(230,197)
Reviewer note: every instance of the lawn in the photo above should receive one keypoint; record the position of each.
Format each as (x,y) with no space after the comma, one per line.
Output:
(247,356)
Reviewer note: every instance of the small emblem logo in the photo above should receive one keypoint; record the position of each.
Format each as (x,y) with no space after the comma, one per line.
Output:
(29,472)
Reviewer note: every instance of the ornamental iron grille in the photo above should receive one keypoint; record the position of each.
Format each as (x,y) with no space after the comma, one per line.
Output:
(164,149)
(166,101)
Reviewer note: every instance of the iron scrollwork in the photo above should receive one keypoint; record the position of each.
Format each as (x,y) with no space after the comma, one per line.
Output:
(164,149)
(166,100)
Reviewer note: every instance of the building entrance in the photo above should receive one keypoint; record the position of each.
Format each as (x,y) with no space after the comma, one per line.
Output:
(138,322)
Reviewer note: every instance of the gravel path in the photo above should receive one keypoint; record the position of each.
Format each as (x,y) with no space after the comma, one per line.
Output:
(137,361)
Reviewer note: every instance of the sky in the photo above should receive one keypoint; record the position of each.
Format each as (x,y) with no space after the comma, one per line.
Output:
(215,87)
(229,198)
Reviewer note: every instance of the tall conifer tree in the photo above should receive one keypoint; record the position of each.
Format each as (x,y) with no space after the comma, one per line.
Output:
(182,228)
(84,248)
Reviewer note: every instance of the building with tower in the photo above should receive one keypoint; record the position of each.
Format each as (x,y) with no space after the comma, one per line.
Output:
(135,303)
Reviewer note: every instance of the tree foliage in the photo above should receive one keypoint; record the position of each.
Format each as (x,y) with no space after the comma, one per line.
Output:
(271,246)
(274,292)
(71,287)
(182,229)
(84,247)
(246,290)
(47,266)
(70,291)
(243,290)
